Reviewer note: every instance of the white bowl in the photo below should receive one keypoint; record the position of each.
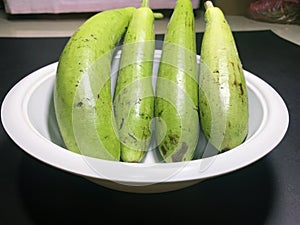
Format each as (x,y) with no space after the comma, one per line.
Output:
(29,119)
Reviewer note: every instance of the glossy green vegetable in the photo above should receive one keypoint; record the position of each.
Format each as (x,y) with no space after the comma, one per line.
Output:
(176,103)
(82,93)
(223,97)
(134,97)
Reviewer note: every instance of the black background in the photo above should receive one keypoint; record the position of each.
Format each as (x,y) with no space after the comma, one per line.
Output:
(266,192)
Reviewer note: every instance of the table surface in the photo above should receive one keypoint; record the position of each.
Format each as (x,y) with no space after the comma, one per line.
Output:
(266,192)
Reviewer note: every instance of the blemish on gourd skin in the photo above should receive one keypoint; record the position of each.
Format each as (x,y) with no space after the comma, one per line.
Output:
(160,113)
(240,86)
(179,155)
(173,139)
(122,123)
(93,36)
(138,101)
(132,136)
(79,104)
(163,150)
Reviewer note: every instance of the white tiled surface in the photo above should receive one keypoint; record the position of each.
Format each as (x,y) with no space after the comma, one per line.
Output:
(61,27)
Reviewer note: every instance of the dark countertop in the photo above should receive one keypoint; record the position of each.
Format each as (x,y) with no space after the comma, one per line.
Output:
(266,192)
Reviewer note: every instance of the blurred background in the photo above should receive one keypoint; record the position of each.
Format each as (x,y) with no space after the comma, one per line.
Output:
(48,18)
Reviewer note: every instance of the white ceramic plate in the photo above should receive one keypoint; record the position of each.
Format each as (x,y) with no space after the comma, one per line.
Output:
(28,117)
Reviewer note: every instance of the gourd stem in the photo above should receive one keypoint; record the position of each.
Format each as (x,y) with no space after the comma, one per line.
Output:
(208,4)
(145,3)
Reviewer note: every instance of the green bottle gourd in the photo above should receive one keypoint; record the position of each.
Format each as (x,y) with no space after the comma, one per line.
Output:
(176,103)
(223,99)
(82,92)
(134,97)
